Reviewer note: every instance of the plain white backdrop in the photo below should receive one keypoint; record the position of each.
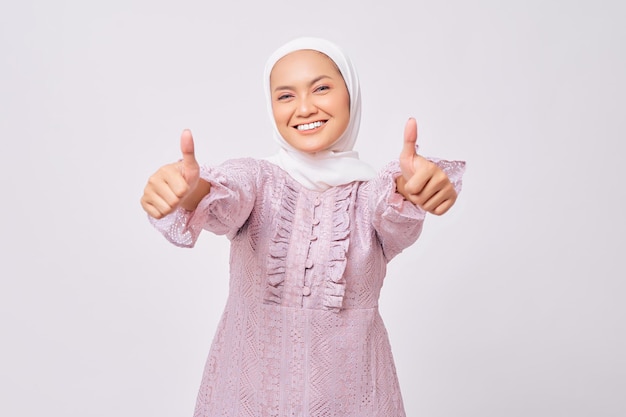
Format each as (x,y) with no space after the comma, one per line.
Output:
(510,305)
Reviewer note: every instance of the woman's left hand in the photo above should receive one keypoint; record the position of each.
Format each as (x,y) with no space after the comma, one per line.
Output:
(422,182)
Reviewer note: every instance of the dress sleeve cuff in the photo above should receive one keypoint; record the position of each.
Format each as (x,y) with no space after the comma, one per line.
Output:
(223,211)
(177,227)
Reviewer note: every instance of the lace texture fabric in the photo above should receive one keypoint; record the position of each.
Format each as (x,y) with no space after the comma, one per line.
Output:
(301,334)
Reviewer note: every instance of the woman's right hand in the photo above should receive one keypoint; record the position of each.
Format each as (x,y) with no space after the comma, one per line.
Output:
(175,185)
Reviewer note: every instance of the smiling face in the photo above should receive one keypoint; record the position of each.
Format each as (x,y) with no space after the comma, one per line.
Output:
(310,101)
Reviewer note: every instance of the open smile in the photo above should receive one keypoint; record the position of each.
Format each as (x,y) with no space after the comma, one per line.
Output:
(310,126)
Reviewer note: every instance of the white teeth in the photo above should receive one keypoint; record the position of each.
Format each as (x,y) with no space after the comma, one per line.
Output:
(309,126)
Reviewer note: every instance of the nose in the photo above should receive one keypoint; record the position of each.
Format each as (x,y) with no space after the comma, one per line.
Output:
(305,106)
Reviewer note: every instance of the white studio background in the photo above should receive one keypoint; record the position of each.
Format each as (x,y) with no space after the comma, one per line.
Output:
(510,305)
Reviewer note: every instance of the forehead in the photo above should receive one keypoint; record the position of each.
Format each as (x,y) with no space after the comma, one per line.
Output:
(304,62)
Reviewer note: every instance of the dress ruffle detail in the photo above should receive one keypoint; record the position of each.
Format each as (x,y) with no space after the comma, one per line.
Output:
(339,242)
(276,265)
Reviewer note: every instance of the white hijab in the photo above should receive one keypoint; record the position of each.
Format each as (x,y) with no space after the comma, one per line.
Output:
(339,164)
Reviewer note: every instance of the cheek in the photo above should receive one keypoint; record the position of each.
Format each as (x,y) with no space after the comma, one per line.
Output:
(344,110)
(280,115)
(345,115)
(343,107)
(339,106)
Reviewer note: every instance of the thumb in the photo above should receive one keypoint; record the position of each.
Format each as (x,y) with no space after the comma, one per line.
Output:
(408,150)
(187,149)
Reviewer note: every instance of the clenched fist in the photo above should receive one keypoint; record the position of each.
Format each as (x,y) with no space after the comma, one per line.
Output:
(175,185)
(422,182)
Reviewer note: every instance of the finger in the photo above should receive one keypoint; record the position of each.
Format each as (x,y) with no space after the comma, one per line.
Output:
(437,204)
(408,149)
(173,194)
(175,185)
(167,180)
(152,211)
(442,207)
(151,207)
(421,177)
(157,199)
(442,197)
(431,203)
(187,148)
(434,185)
(410,137)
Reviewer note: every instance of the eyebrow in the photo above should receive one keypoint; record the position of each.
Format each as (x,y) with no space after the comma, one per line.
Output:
(313,81)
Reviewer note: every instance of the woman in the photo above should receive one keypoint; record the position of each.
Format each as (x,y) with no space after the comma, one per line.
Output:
(312,230)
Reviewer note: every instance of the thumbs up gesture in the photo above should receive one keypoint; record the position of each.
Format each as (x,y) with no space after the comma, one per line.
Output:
(175,185)
(422,182)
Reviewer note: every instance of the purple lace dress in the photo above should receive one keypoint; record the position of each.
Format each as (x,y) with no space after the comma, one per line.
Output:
(301,334)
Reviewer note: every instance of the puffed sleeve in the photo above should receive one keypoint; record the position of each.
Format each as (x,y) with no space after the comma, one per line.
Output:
(398,222)
(223,211)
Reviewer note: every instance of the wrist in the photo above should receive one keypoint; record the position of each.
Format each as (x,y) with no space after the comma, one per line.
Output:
(192,199)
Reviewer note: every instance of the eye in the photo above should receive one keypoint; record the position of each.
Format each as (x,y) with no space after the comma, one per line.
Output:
(322,88)
(284,96)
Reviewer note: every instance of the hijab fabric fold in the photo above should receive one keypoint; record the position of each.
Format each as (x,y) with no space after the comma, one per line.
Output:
(339,164)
